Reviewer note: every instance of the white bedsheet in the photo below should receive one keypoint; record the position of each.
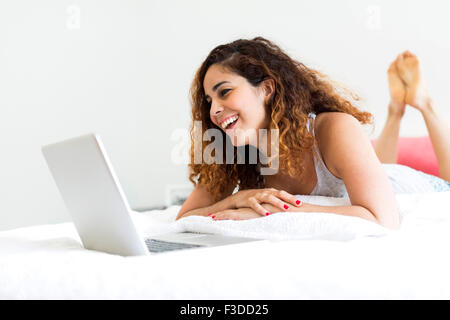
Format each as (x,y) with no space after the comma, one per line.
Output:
(309,256)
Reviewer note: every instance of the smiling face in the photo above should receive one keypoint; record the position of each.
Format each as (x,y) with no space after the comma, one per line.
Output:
(230,95)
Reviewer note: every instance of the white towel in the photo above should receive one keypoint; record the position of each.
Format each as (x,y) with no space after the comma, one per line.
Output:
(303,225)
(278,226)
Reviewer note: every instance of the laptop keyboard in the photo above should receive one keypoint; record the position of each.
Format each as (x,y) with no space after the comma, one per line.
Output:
(161,246)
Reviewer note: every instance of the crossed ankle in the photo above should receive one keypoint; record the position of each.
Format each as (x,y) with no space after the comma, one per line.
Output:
(427,106)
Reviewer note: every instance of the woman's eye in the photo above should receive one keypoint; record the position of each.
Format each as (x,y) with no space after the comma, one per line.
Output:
(222,93)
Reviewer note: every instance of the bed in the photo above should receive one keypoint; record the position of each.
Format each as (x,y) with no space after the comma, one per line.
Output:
(303,256)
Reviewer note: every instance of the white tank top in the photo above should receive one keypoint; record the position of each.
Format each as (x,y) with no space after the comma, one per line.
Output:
(403,178)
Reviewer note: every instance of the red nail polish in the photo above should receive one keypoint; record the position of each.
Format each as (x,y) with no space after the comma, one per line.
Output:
(267,213)
(209,214)
(286,207)
(213,217)
(298,202)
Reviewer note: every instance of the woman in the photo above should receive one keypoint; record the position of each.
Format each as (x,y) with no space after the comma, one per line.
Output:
(323,149)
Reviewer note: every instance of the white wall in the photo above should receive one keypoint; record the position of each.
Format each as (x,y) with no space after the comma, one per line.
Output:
(123,69)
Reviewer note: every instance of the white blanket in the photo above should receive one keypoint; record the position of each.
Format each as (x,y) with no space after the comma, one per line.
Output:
(309,256)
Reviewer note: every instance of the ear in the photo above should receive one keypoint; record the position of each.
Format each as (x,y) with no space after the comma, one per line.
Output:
(268,86)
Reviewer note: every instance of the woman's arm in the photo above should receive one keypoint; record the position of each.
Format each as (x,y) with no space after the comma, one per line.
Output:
(200,202)
(353,210)
(205,211)
(347,151)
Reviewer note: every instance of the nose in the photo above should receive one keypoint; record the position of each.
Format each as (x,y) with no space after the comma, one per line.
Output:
(216,109)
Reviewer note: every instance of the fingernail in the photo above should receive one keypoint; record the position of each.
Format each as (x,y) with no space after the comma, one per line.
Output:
(213,217)
(286,207)
(267,213)
(298,202)
(209,214)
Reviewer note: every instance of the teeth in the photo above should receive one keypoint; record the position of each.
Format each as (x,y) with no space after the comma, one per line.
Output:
(227,122)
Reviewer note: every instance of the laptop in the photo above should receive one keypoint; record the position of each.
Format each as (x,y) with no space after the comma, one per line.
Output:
(99,209)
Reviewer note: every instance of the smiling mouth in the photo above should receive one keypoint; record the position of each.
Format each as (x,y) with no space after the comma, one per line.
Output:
(231,125)
(230,122)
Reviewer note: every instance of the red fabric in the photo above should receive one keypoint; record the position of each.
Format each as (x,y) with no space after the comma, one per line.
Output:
(417,153)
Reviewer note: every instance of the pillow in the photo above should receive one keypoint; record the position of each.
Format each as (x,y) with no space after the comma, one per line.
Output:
(417,153)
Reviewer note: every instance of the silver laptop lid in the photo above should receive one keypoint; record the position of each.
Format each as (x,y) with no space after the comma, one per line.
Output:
(93,195)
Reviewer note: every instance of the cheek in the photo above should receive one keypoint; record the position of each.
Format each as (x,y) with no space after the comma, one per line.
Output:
(256,116)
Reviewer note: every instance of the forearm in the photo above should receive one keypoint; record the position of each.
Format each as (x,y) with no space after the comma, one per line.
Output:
(388,220)
(221,205)
(352,210)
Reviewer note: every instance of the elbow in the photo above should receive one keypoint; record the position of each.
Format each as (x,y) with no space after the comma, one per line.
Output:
(393,225)
(386,217)
(389,220)
(180,215)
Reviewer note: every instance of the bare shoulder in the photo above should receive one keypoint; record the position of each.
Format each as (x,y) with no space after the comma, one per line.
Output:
(348,154)
(332,118)
(328,126)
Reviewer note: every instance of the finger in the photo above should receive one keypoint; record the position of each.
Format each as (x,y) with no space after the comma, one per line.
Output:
(289,198)
(222,215)
(215,215)
(273,199)
(266,197)
(277,202)
(254,204)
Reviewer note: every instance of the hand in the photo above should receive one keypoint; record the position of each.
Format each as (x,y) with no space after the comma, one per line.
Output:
(249,213)
(235,214)
(254,197)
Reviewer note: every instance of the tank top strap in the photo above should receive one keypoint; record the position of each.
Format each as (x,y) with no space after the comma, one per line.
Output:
(327,183)
(310,127)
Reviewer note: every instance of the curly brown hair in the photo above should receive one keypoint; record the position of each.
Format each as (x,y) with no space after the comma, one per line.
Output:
(299,91)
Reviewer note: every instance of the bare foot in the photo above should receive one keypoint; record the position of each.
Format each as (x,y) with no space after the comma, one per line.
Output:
(409,70)
(397,90)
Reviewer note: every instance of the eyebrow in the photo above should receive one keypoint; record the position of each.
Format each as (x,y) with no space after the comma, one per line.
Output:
(217,86)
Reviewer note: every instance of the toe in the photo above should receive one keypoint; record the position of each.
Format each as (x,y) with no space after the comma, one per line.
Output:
(392,68)
(399,63)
